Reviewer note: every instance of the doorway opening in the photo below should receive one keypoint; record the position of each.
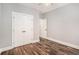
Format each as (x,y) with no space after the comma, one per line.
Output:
(43,27)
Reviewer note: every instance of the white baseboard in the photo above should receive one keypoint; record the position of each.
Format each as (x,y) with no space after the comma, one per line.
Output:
(24,43)
(11,47)
(35,41)
(61,42)
(6,48)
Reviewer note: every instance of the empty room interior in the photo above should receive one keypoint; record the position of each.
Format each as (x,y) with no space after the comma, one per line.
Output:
(39,28)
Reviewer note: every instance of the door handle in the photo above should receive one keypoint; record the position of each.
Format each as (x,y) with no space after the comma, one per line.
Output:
(23,31)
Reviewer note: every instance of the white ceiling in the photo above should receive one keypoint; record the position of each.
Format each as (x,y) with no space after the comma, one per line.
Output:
(42,8)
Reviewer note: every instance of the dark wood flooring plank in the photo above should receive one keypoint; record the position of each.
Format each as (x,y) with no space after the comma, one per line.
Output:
(44,47)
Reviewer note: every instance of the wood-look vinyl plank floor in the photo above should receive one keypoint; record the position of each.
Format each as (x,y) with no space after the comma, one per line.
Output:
(44,47)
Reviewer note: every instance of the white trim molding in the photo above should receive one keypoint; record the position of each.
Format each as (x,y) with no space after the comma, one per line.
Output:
(11,47)
(5,48)
(35,41)
(62,42)
(29,42)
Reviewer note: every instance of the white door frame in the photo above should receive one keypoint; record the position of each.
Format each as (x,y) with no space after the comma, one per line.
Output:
(13,38)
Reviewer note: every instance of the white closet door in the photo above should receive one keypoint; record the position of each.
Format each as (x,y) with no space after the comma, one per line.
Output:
(43,27)
(22,26)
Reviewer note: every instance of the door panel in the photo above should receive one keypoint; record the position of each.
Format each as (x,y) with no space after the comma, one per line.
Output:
(22,28)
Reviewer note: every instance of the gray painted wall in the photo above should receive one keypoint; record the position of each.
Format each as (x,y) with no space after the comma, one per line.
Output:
(63,24)
(5,26)
(6,22)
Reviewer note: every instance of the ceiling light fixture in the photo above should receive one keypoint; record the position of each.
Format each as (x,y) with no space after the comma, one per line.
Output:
(45,4)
